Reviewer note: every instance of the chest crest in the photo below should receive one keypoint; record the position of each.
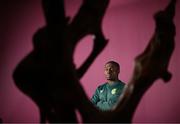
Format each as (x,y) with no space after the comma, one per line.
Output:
(113,91)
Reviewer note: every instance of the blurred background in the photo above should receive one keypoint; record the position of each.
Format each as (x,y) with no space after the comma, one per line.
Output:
(128,24)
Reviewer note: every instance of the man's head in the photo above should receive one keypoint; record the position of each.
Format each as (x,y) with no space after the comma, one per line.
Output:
(111,70)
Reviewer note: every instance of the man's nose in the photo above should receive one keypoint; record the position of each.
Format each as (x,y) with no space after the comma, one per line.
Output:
(109,71)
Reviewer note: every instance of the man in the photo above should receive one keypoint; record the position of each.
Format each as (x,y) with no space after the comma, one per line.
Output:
(107,94)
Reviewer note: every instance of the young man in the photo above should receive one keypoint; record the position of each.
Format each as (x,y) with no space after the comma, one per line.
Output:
(107,94)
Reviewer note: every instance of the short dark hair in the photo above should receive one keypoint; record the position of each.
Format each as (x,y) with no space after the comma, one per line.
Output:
(114,63)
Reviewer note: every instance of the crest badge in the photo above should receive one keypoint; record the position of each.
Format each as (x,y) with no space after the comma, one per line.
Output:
(113,91)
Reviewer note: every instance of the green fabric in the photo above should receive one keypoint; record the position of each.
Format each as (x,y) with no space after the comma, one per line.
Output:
(106,95)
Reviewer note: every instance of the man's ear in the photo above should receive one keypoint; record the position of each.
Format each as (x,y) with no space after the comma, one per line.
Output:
(118,71)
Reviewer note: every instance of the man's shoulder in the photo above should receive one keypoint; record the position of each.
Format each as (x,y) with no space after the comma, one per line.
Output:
(102,86)
(121,84)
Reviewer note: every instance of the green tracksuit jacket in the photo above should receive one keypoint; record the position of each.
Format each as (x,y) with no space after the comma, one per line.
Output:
(106,95)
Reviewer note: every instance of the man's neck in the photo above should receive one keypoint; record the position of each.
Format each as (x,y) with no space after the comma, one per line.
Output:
(111,82)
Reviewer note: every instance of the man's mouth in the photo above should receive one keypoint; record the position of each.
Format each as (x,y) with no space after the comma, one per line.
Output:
(108,76)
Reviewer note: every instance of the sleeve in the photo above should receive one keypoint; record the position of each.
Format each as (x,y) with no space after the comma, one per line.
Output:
(95,98)
(98,101)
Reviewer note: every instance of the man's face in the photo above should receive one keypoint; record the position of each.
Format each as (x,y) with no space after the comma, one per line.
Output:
(111,72)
